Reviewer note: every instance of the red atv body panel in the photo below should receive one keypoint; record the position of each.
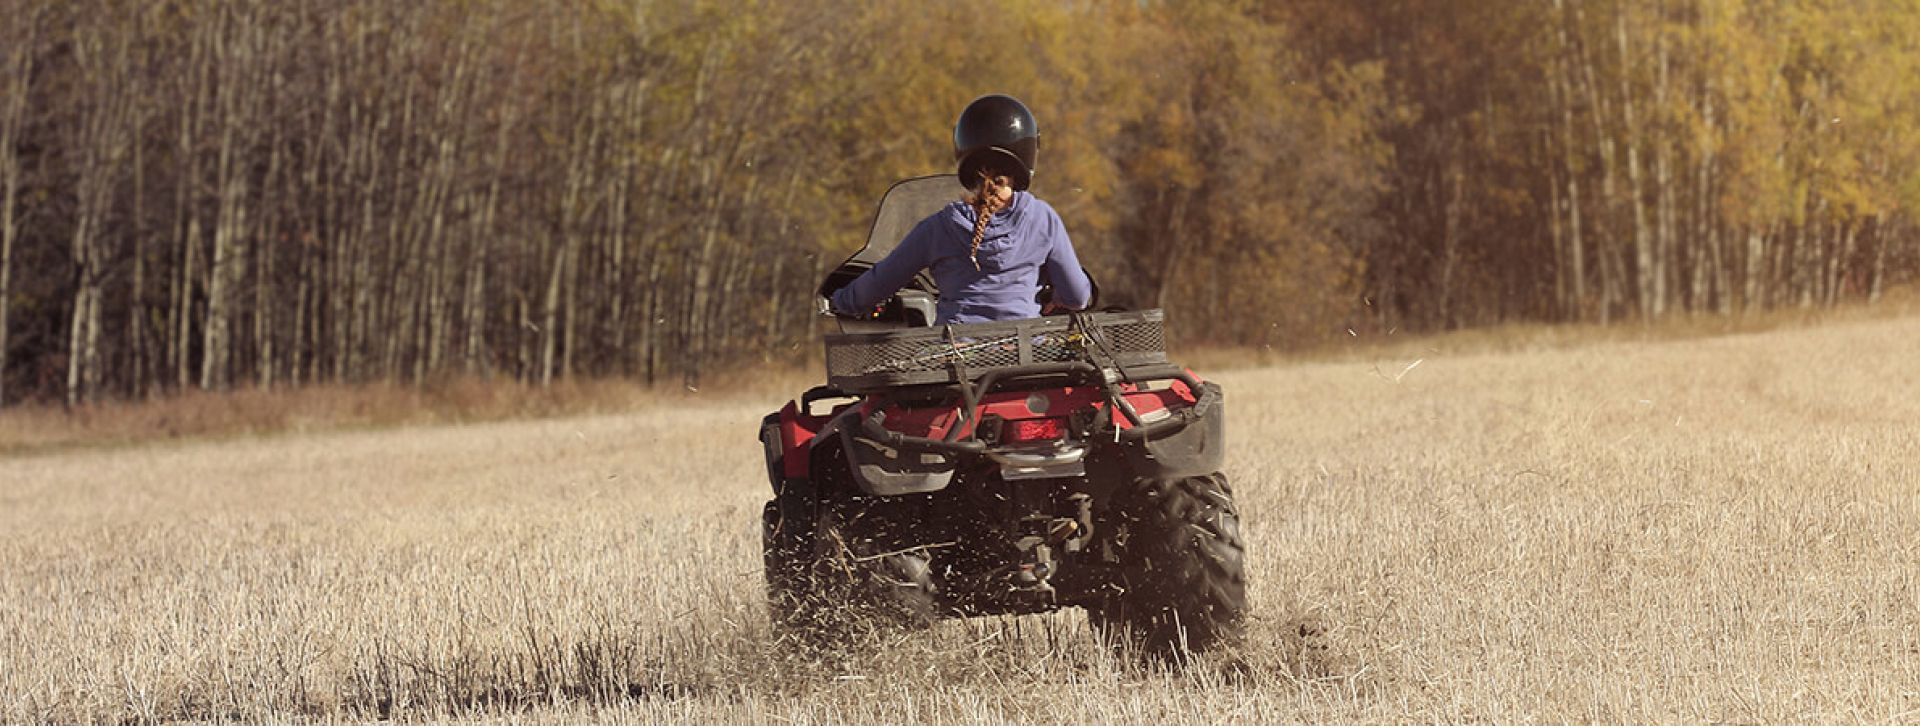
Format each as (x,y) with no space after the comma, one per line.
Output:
(800,430)
(797,432)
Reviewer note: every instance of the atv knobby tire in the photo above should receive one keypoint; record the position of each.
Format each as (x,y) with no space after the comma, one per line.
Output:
(1182,568)
(786,548)
(834,583)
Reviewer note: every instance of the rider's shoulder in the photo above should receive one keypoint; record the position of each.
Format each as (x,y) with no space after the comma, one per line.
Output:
(1037,206)
(1030,202)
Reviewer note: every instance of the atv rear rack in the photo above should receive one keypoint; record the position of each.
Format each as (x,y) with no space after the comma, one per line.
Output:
(873,362)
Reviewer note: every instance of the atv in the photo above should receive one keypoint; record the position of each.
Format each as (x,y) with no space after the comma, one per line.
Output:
(999,468)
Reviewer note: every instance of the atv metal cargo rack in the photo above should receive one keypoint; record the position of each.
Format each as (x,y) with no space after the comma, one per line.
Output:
(871,362)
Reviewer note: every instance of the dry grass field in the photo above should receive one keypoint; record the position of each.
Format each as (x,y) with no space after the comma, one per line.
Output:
(1724,529)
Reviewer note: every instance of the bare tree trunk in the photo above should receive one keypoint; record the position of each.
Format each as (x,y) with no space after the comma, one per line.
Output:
(457,127)
(1576,289)
(362,293)
(396,302)
(1803,263)
(1644,271)
(621,187)
(91,379)
(15,77)
(775,314)
(1666,245)
(136,302)
(1879,274)
(1453,187)
(182,317)
(695,324)
(1839,261)
(550,312)
(186,223)
(486,229)
(339,122)
(652,322)
(104,133)
(1178,242)
(570,307)
(264,300)
(1607,249)
(1709,269)
(556,342)
(524,316)
(240,54)
(298,353)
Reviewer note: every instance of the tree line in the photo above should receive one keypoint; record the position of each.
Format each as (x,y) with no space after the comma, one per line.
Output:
(215,193)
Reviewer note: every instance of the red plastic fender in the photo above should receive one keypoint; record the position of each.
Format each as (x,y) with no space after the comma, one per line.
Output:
(1144,402)
(796,437)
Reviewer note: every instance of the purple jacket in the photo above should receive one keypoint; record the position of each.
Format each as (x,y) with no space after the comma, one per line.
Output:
(1021,241)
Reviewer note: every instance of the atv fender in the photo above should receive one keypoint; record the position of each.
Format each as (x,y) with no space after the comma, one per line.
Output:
(1197,449)
(885,471)
(792,435)
(882,470)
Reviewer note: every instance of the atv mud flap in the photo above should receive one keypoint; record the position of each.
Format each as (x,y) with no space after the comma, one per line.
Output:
(885,471)
(1196,449)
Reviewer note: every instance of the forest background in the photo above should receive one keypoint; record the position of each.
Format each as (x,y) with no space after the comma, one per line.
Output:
(209,194)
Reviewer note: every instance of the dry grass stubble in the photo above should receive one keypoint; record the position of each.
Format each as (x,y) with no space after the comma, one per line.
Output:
(1708,530)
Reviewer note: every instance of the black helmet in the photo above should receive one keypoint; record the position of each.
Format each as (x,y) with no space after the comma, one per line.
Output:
(996,132)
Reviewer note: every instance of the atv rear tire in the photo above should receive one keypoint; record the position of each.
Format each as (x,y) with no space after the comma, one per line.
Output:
(828,582)
(1183,568)
(866,586)
(786,548)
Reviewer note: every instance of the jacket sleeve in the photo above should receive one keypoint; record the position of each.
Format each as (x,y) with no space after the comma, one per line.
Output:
(1071,288)
(893,272)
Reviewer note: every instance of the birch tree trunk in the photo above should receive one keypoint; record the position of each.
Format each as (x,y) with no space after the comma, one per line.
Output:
(1608,250)
(16,72)
(1877,277)
(239,53)
(1644,272)
(1576,275)
(103,134)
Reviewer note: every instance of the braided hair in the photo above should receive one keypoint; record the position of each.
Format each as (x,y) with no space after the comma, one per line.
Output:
(992,194)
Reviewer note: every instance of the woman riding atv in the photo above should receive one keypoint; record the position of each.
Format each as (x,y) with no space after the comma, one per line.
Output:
(996,464)
(989,251)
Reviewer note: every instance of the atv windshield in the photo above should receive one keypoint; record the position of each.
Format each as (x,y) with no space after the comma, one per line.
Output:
(905,204)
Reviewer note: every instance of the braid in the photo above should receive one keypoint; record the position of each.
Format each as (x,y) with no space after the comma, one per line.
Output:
(985,203)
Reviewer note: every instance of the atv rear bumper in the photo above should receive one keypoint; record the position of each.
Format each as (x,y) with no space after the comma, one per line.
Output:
(1122,444)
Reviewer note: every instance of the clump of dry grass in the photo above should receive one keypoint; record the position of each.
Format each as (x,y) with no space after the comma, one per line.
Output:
(1710,530)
